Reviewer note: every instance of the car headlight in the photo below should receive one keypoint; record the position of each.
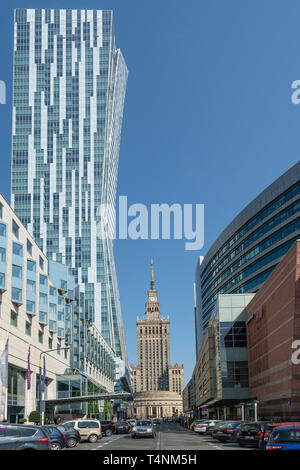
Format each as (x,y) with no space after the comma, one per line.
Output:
(134,428)
(149,429)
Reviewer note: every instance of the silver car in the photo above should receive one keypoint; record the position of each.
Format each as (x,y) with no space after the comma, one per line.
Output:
(143,428)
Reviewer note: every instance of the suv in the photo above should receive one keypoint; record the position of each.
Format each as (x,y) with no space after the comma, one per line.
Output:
(250,433)
(89,429)
(108,428)
(23,437)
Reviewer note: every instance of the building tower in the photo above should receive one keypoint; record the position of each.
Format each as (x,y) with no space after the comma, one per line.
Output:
(154,379)
(68,96)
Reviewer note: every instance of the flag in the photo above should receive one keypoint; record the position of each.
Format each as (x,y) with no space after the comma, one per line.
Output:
(4,366)
(3,380)
(44,374)
(28,375)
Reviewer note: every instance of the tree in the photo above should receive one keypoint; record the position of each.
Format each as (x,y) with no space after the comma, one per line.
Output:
(34,417)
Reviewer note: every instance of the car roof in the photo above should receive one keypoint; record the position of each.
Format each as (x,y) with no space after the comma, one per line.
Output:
(287,427)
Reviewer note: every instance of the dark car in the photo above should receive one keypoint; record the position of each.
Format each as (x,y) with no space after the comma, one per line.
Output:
(108,428)
(143,428)
(23,437)
(250,433)
(227,432)
(156,421)
(57,438)
(122,427)
(72,436)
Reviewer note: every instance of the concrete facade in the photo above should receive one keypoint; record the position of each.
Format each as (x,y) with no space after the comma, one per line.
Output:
(21,327)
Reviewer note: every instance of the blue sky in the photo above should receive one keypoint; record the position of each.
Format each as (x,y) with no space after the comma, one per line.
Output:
(208,119)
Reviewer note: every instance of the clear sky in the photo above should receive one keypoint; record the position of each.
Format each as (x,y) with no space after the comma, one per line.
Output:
(208,119)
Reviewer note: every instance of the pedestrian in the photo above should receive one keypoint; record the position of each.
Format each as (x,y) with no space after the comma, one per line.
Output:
(58,420)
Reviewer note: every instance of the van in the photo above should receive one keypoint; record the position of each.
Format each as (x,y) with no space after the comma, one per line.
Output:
(89,429)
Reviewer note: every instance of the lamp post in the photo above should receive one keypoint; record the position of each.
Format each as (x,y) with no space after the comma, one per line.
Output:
(40,380)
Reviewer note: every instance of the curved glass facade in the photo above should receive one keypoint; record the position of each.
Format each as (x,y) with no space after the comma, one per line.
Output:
(251,246)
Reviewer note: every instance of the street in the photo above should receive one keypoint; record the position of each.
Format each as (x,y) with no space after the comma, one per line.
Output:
(169,436)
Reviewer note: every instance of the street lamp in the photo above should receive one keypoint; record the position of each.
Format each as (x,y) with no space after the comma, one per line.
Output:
(40,378)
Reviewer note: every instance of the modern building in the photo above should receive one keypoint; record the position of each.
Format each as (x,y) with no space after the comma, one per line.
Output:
(68,97)
(221,372)
(249,249)
(34,312)
(40,308)
(273,330)
(157,385)
(189,399)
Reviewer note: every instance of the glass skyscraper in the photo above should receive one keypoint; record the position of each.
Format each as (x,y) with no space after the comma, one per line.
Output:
(68,96)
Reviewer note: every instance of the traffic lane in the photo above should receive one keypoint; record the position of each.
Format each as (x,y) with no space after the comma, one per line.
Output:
(85,445)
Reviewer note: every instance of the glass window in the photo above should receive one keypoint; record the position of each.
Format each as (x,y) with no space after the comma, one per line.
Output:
(41,263)
(43,317)
(16,294)
(17,271)
(2,254)
(43,280)
(1,210)
(29,247)
(41,336)
(13,318)
(2,280)
(30,306)
(52,291)
(17,249)
(50,343)
(28,328)
(2,230)
(43,299)
(15,229)
(30,285)
(30,265)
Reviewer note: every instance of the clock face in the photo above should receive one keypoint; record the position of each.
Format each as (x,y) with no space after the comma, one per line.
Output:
(152,299)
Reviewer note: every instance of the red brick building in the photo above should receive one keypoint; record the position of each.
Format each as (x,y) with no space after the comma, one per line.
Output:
(273,324)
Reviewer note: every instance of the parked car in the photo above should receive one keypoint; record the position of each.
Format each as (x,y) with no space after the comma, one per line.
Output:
(197,421)
(284,438)
(122,427)
(212,424)
(267,430)
(143,428)
(201,427)
(227,432)
(23,437)
(57,438)
(250,433)
(72,436)
(156,421)
(108,428)
(89,429)
(132,422)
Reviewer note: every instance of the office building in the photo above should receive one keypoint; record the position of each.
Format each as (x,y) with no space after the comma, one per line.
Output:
(250,247)
(68,97)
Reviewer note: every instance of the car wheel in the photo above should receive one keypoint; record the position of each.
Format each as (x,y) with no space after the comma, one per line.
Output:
(93,438)
(108,432)
(71,442)
(55,446)
(241,445)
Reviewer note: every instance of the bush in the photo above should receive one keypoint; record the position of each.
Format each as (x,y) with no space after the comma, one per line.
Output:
(22,420)
(34,417)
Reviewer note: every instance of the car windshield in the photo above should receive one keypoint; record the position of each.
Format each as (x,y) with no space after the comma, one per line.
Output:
(286,435)
(144,423)
(122,423)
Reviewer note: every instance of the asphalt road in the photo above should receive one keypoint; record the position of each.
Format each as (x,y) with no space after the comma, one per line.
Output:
(169,436)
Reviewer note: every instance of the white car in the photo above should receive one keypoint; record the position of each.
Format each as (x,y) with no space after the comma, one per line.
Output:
(201,427)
